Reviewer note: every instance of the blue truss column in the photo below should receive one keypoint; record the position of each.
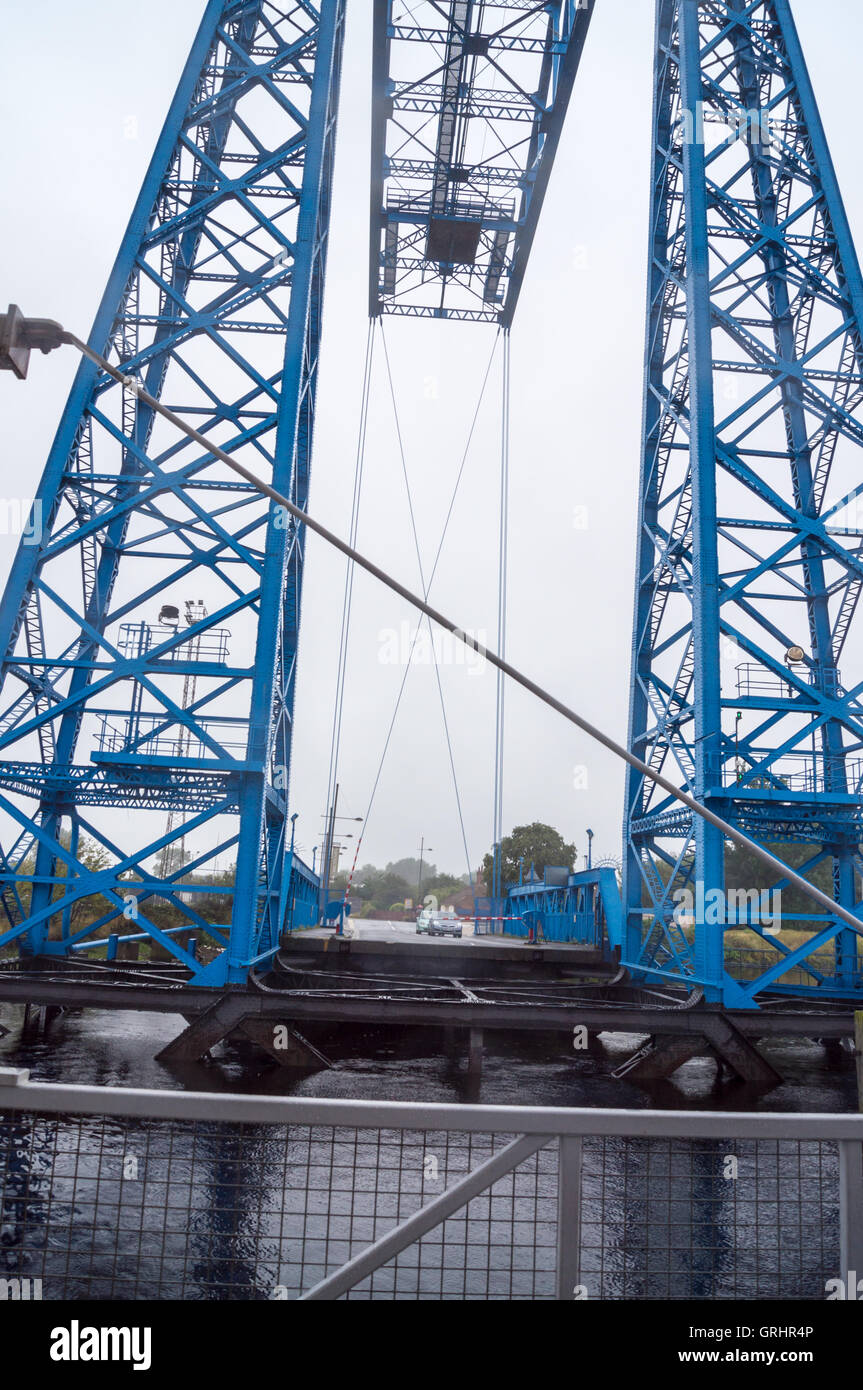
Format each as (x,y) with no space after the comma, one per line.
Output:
(659,230)
(825,672)
(276,651)
(109,696)
(746,677)
(12,610)
(851,282)
(709,844)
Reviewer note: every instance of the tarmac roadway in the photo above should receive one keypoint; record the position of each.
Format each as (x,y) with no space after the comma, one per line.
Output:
(384,938)
(374,929)
(380,932)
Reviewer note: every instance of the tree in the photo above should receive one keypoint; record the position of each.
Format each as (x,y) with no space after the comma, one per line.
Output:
(409,870)
(536,844)
(94,857)
(379,888)
(443,885)
(744,870)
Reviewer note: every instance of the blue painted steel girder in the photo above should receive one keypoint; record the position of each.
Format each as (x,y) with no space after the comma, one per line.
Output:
(585,909)
(749,567)
(469,103)
(107,699)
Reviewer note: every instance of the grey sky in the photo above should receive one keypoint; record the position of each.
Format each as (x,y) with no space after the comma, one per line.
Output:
(85,91)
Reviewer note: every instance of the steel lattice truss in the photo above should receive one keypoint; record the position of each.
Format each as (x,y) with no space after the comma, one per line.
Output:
(213,305)
(747,664)
(469,102)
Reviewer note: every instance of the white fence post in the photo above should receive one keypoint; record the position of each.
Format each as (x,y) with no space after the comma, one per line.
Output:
(568,1216)
(851,1210)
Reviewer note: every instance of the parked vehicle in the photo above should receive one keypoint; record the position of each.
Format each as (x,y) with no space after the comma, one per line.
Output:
(436,922)
(444,924)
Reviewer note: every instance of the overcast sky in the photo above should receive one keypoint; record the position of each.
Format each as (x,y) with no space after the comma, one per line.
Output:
(86,87)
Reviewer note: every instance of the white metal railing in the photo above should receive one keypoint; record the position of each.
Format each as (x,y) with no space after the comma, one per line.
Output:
(528,1131)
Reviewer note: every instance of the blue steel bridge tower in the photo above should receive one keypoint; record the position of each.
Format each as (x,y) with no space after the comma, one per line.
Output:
(149,638)
(470,98)
(747,658)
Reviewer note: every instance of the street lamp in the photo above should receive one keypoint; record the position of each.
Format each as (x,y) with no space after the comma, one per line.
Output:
(424,848)
(590,849)
(20,336)
(291,872)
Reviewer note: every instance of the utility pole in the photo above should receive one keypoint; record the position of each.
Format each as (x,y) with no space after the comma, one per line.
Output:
(328,855)
(423,848)
(292,887)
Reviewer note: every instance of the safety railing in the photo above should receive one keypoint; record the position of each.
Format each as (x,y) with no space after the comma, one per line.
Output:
(111,1193)
(155,736)
(810,773)
(754,679)
(209,645)
(747,963)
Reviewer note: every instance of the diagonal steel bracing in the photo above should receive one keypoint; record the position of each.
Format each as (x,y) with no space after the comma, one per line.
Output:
(749,536)
(214,307)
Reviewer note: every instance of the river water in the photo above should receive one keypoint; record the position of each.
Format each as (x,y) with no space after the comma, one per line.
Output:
(213,1214)
(103,1048)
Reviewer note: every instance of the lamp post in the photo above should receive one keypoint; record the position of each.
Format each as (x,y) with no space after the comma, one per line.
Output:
(291,885)
(327,856)
(590,849)
(423,849)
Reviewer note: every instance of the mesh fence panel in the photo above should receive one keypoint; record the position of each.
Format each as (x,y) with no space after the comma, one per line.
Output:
(708,1219)
(104,1208)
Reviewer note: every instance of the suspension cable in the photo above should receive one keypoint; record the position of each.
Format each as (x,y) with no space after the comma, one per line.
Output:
(447,519)
(347,603)
(424,587)
(500,691)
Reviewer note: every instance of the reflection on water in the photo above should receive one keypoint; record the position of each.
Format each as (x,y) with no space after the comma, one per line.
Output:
(103,1048)
(141,1209)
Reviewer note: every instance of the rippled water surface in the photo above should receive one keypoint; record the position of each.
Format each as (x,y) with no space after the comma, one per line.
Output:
(217,1212)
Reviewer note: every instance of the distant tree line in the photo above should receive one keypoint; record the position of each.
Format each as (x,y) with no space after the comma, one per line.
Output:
(743,870)
(379,892)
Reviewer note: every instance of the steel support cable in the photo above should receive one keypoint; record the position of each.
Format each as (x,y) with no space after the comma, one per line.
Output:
(447,519)
(500,690)
(213,450)
(425,589)
(446,524)
(347,602)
